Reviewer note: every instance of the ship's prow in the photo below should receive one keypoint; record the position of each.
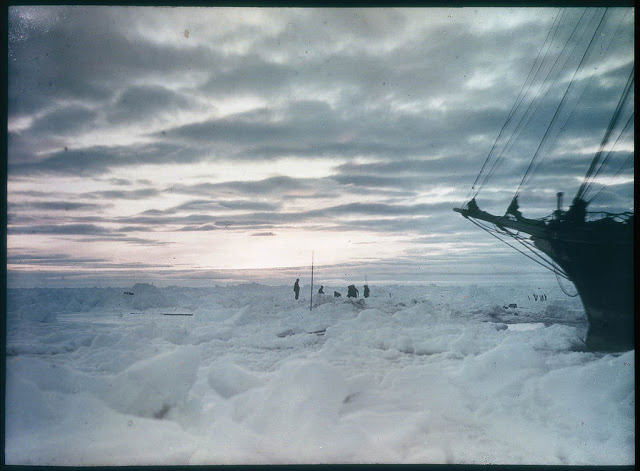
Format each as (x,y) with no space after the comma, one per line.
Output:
(597,256)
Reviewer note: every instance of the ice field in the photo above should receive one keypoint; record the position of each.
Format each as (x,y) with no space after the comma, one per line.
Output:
(245,374)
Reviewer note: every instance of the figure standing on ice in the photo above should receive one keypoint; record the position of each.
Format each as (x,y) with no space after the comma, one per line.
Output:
(366,291)
(296,287)
(321,290)
(352,291)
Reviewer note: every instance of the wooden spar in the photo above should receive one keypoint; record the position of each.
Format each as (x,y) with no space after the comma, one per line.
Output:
(311,301)
(529,226)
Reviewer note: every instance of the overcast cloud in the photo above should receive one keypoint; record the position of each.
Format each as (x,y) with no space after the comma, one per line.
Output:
(203,139)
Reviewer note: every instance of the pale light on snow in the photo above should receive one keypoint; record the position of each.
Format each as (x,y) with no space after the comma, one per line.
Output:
(245,374)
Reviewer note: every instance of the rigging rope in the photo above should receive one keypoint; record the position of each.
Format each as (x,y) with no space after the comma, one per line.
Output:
(543,88)
(562,101)
(521,93)
(562,287)
(612,37)
(548,263)
(596,159)
(595,23)
(548,266)
(629,121)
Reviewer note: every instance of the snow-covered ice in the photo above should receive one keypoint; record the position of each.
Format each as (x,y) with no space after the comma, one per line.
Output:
(245,374)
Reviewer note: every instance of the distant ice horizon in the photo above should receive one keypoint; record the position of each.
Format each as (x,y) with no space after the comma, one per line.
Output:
(334,276)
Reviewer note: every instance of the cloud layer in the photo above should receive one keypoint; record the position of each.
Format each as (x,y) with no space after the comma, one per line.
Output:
(142,136)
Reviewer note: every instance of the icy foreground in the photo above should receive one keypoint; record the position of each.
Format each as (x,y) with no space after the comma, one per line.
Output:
(429,374)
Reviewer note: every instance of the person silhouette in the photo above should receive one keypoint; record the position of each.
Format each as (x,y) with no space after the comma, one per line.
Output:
(296,287)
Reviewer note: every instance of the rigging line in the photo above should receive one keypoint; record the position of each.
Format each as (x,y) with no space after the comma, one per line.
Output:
(612,37)
(544,53)
(529,114)
(562,287)
(580,96)
(521,94)
(626,126)
(615,175)
(518,126)
(551,138)
(605,139)
(513,247)
(546,263)
(543,88)
(550,264)
(562,101)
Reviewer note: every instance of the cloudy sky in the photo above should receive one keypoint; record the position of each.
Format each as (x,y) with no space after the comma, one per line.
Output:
(191,143)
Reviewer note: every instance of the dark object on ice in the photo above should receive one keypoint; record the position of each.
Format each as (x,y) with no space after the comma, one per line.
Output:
(177,314)
(318,332)
(352,291)
(336,294)
(511,306)
(129,293)
(366,291)
(160,414)
(296,287)
(593,250)
(286,333)
(321,290)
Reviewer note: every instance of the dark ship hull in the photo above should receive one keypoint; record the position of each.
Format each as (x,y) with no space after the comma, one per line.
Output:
(599,261)
(597,256)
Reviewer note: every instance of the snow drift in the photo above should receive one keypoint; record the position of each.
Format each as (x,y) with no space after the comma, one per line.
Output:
(247,375)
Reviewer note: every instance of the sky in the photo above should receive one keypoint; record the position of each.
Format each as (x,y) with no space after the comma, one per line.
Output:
(203,145)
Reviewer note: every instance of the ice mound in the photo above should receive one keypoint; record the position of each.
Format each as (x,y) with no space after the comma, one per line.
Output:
(29,406)
(243,316)
(94,434)
(146,296)
(298,408)
(150,388)
(31,305)
(229,379)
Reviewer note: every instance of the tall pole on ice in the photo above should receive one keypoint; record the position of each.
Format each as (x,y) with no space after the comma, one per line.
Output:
(311,301)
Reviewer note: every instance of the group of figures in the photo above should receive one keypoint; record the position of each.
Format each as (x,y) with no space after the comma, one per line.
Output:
(538,297)
(352,291)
